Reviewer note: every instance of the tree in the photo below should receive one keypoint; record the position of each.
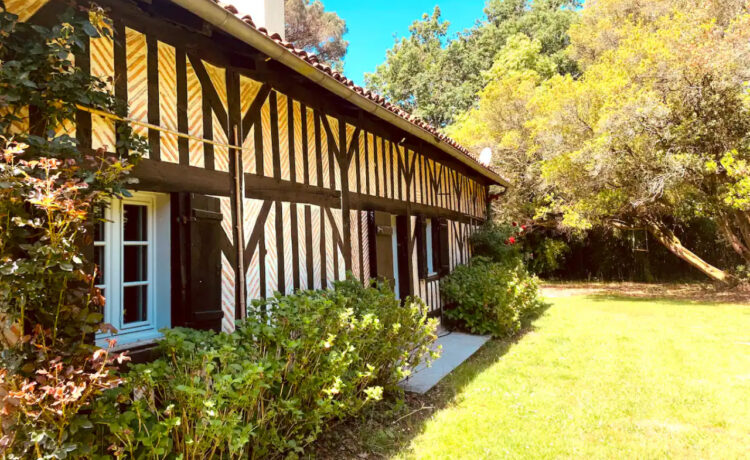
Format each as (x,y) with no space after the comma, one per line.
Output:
(655,131)
(413,74)
(500,122)
(436,77)
(311,28)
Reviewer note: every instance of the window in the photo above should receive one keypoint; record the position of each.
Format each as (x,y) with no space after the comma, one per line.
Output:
(131,249)
(441,246)
(429,247)
(394,248)
(432,247)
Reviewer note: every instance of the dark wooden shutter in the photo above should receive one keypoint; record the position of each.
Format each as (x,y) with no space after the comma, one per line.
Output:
(383,246)
(420,231)
(372,244)
(435,227)
(197,238)
(443,246)
(402,263)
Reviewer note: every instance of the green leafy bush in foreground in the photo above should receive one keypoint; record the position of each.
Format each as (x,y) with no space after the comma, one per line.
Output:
(492,297)
(267,390)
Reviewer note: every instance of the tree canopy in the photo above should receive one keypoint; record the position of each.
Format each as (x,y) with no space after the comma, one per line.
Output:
(654,130)
(436,76)
(311,28)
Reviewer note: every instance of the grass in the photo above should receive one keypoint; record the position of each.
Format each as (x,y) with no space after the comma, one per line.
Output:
(606,377)
(599,377)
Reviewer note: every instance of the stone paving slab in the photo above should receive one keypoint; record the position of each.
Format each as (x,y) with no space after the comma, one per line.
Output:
(457,348)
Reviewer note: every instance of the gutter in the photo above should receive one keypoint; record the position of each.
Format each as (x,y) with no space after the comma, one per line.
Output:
(224,20)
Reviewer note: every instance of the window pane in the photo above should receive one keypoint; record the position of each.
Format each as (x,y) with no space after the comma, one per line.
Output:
(428,246)
(135,222)
(99,231)
(135,304)
(99,261)
(99,224)
(135,260)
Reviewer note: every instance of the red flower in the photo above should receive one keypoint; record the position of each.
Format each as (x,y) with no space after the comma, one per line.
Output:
(515,224)
(512,240)
(523,227)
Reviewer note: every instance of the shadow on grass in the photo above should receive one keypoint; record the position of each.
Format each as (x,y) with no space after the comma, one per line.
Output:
(388,427)
(604,297)
(675,293)
(665,299)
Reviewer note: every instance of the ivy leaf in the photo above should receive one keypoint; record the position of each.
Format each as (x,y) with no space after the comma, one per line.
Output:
(39,29)
(78,43)
(94,317)
(90,30)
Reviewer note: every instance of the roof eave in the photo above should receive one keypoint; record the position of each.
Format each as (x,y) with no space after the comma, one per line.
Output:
(222,19)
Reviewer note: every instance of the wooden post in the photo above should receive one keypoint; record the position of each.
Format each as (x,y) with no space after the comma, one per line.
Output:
(239,244)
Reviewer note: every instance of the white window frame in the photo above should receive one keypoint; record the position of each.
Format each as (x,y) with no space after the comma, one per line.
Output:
(158,270)
(428,247)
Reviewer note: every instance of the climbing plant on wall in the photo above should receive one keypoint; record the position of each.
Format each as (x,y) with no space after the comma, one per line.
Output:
(50,187)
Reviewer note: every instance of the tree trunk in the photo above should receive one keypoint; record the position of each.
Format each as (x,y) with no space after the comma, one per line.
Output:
(666,237)
(743,223)
(738,242)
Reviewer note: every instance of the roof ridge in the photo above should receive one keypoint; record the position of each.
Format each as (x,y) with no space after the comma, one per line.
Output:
(313,60)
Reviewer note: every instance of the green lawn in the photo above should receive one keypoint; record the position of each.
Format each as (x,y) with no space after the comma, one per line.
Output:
(603,377)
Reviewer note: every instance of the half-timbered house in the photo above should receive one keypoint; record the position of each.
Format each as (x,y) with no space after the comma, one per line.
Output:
(268,172)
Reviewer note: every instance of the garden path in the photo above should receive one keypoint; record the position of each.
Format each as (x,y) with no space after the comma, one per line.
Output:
(456,347)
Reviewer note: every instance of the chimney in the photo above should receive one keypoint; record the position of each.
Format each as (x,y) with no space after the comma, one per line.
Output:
(265,13)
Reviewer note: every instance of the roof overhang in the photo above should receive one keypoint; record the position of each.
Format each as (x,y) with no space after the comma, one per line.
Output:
(226,21)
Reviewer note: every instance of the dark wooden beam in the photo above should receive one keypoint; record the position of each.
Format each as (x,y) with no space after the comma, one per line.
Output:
(268,188)
(209,92)
(171,24)
(257,236)
(353,145)
(249,117)
(159,176)
(337,241)
(369,202)
(333,144)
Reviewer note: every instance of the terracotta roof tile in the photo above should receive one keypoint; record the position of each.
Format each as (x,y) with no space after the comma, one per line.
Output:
(378,99)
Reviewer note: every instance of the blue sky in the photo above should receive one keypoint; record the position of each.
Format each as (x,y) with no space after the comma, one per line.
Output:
(372,25)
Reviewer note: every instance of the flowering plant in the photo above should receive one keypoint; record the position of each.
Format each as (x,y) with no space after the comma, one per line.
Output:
(44,409)
(499,242)
(50,310)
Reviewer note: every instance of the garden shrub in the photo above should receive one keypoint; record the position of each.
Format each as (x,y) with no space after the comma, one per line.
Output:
(508,242)
(268,389)
(497,242)
(742,273)
(544,254)
(491,297)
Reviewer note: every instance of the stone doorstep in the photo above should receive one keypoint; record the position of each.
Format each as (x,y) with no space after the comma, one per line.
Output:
(457,347)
